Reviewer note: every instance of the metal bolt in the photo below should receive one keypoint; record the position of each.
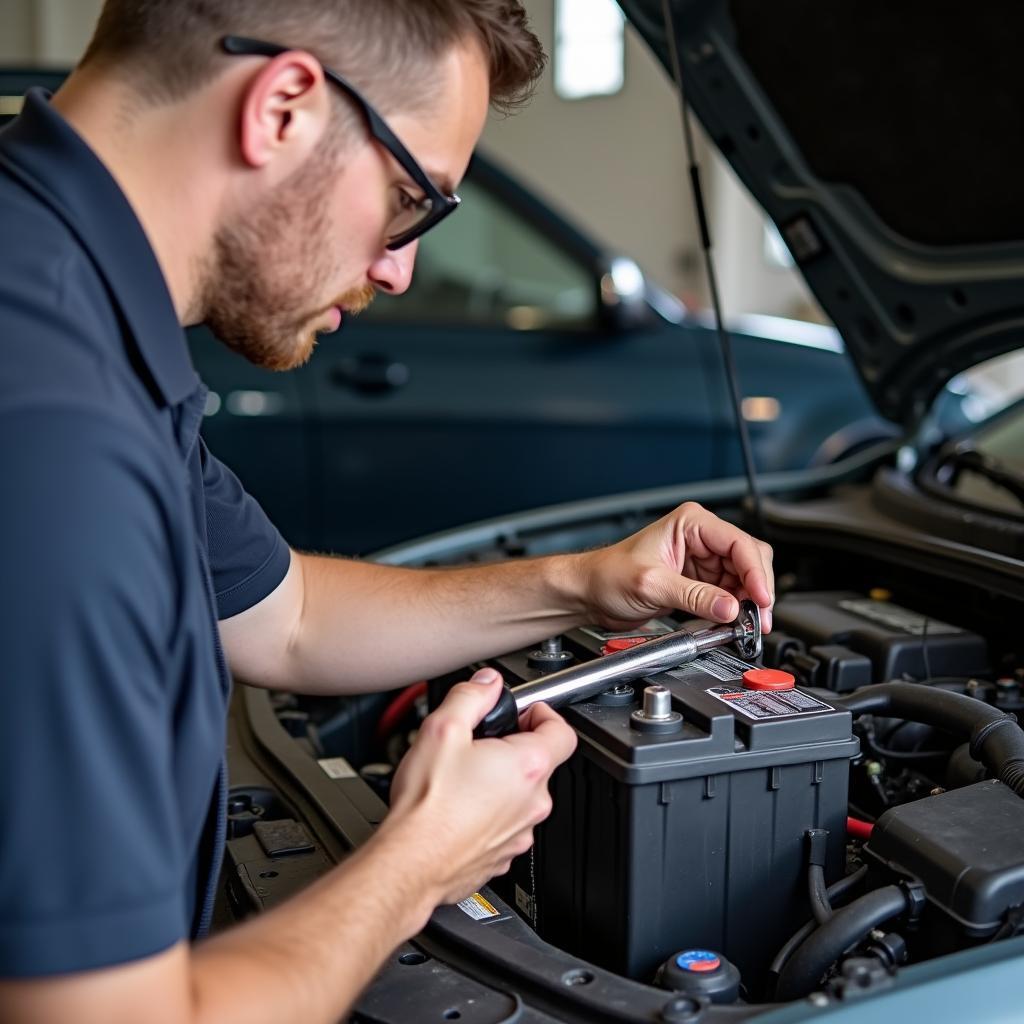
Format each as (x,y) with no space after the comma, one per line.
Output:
(657,702)
(550,655)
(656,714)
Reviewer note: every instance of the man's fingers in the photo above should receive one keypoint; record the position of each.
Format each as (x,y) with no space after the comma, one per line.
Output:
(541,721)
(750,558)
(709,602)
(466,703)
(769,573)
(705,600)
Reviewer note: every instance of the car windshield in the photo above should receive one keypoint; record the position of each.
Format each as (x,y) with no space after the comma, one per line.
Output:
(975,437)
(985,469)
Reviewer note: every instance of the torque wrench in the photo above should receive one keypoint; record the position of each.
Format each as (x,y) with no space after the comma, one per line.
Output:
(658,654)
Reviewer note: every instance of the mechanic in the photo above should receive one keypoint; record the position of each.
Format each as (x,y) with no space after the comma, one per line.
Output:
(182,176)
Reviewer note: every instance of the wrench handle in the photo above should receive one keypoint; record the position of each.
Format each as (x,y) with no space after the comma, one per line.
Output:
(502,719)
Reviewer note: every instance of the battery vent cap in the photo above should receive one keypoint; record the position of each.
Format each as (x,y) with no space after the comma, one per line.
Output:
(623,643)
(768,679)
(702,974)
(698,960)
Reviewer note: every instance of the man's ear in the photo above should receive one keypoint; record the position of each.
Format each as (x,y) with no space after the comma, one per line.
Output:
(285,111)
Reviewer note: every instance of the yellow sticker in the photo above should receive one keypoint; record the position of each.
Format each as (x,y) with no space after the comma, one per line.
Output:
(477,907)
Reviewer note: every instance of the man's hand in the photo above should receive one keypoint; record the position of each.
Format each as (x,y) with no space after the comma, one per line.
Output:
(690,560)
(470,806)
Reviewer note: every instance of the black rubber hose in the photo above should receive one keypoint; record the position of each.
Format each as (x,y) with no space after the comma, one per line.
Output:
(997,741)
(821,906)
(836,891)
(962,769)
(845,928)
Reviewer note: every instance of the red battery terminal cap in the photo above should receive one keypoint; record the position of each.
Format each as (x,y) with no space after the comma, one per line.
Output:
(623,643)
(768,679)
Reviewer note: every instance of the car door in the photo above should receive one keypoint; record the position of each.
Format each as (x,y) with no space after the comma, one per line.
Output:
(500,382)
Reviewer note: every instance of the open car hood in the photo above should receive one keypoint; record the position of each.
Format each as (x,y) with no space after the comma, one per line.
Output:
(885,141)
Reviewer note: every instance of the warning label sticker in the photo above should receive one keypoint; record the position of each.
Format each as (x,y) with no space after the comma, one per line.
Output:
(477,907)
(337,768)
(652,628)
(762,704)
(720,664)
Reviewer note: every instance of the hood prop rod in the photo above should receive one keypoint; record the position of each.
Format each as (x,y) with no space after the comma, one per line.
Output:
(755,509)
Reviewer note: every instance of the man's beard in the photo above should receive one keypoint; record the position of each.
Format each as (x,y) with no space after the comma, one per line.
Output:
(267,263)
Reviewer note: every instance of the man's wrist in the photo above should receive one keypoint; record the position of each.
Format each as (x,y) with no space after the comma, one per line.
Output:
(403,851)
(568,579)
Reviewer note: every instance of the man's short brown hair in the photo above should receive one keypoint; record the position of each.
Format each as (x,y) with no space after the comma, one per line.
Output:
(168,48)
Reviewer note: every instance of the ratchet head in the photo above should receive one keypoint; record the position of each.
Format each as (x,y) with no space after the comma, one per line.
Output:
(748,631)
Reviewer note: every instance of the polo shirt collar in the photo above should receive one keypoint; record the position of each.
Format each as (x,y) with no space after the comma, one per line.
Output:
(49,157)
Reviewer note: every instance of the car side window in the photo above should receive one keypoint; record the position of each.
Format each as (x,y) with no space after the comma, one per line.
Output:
(487,266)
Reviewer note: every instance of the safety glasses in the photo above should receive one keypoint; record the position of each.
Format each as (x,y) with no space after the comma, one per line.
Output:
(415,216)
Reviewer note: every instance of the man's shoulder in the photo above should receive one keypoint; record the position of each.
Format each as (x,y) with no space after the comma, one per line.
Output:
(42,261)
(62,456)
(37,239)
(59,334)
(86,496)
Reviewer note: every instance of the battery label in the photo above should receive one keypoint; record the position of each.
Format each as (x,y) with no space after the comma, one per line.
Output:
(477,907)
(720,664)
(899,619)
(526,903)
(762,704)
(653,628)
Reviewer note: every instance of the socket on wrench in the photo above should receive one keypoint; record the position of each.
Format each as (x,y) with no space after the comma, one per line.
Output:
(579,682)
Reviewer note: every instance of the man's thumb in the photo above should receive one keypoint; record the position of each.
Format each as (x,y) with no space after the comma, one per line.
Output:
(709,602)
(467,703)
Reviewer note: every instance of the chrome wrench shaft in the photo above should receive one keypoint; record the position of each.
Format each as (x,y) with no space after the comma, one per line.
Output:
(658,654)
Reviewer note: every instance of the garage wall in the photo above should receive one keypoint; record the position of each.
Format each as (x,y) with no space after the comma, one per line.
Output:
(17,32)
(51,33)
(614,164)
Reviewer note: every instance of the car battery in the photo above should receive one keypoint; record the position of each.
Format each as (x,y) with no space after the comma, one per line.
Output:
(695,837)
(841,640)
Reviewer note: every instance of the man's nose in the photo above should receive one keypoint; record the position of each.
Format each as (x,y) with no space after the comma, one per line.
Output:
(391,272)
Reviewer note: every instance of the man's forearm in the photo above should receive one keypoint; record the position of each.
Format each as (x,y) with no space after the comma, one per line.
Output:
(369,627)
(311,957)
(335,626)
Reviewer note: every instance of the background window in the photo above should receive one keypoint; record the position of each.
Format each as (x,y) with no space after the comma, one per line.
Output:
(486,265)
(589,48)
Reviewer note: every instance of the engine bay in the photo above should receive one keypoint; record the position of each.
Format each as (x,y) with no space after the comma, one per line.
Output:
(855,813)
(718,841)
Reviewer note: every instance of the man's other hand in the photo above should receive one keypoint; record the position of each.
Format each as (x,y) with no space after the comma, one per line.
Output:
(471,805)
(690,560)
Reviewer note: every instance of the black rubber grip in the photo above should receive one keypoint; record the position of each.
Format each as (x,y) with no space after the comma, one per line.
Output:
(501,720)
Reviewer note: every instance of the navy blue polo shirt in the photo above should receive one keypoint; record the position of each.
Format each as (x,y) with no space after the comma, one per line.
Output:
(122,542)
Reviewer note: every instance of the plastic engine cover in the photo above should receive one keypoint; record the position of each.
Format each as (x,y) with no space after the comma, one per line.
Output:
(966,846)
